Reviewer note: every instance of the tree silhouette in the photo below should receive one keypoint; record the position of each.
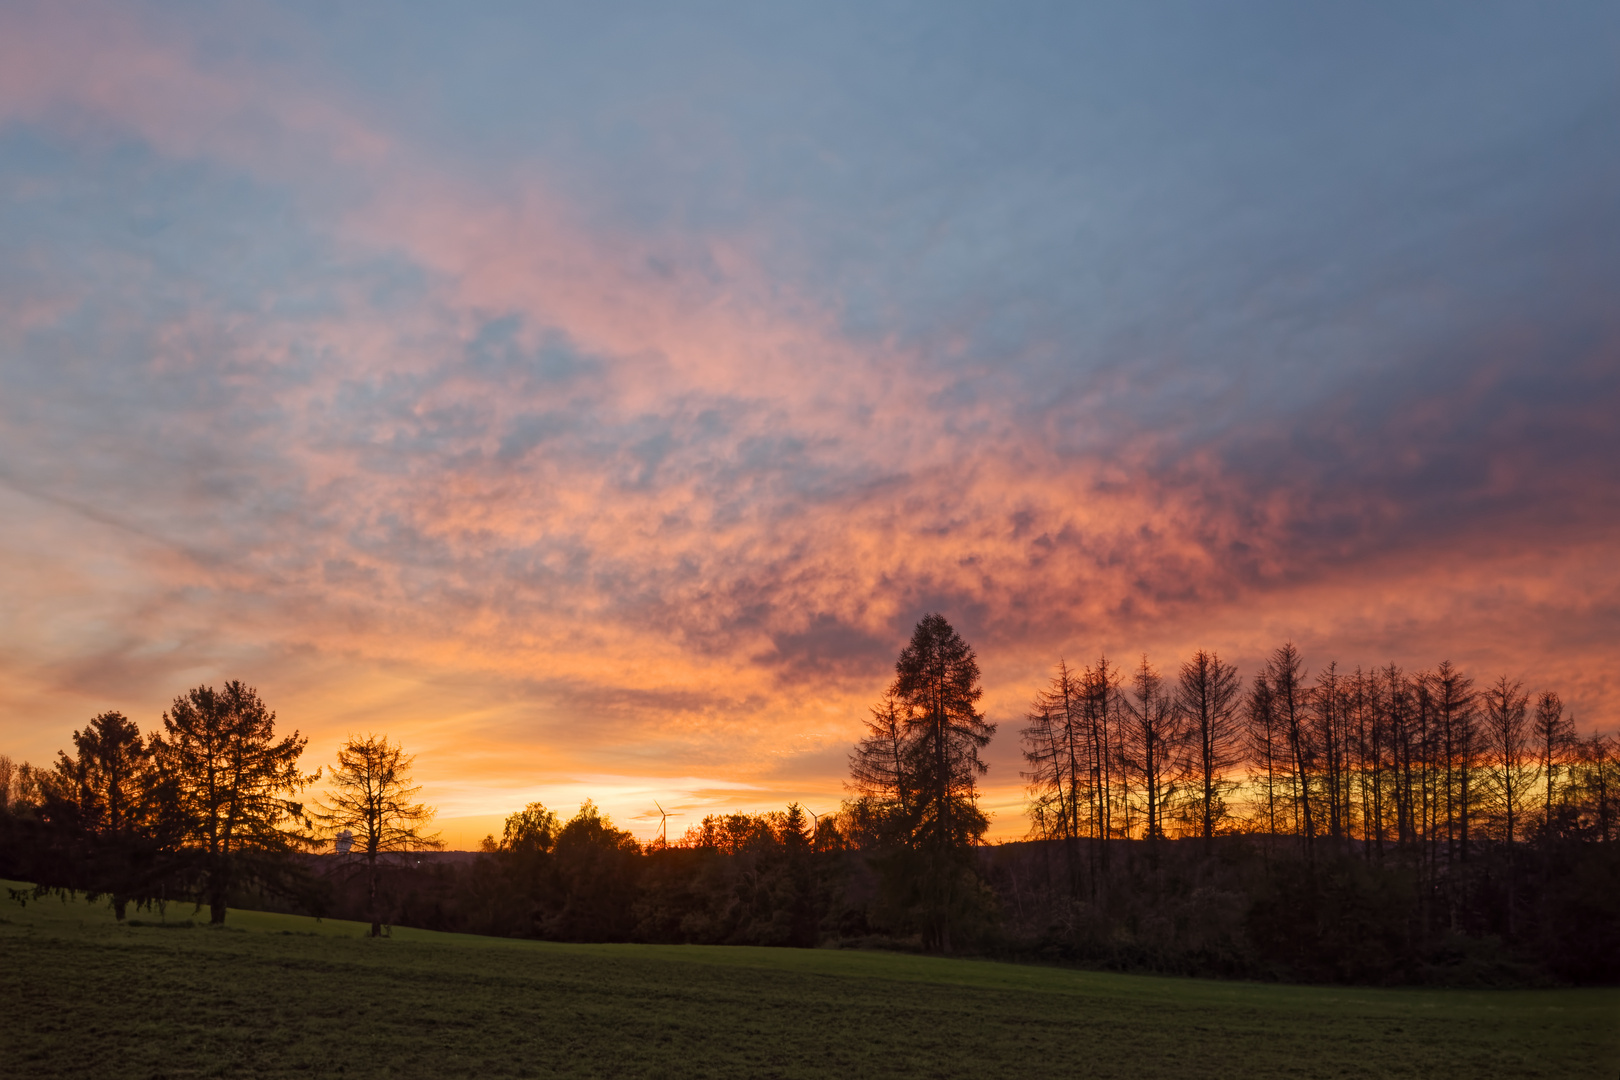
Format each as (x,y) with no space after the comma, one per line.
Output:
(1057,748)
(229,782)
(1454,702)
(1329,711)
(1153,748)
(532,829)
(1207,695)
(937,680)
(100,790)
(1265,751)
(1554,736)
(917,770)
(1103,709)
(1597,777)
(1290,697)
(1459,782)
(882,769)
(372,799)
(1507,738)
(594,863)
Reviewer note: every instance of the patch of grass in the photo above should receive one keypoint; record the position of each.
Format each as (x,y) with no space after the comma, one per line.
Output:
(287,996)
(163,925)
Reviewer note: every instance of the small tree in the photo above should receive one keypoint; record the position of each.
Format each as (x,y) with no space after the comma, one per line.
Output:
(100,788)
(227,781)
(532,829)
(372,797)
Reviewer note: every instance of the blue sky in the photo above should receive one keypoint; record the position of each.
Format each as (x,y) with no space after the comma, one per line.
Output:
(594,399)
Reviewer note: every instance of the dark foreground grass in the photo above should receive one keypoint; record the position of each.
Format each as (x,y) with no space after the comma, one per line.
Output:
(275,996)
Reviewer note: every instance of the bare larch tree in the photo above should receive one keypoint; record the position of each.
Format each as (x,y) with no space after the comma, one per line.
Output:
(1207,693)
(373,799)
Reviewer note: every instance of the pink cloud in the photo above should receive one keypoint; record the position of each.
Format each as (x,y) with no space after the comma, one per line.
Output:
(728,474)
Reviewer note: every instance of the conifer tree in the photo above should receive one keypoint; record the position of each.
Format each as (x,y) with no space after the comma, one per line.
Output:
(101,789)
(920,759)
(230,784)
(882,770)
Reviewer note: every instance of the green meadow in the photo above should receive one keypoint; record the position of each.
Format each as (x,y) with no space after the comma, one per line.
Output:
(275,995)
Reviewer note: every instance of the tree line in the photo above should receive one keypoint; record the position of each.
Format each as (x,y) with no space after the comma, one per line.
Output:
(1423,766)
(203,809)
(1361,826)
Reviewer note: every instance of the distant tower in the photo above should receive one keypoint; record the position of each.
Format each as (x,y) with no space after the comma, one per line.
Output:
(344,841)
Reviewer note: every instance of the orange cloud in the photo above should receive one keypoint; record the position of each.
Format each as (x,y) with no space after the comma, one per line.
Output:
(597,510)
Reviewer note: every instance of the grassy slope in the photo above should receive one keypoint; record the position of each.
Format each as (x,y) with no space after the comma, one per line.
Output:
(285,996)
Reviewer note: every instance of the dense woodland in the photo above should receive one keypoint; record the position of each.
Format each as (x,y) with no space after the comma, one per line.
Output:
(1370,827)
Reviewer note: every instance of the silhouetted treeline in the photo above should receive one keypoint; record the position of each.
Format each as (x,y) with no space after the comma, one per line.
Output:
(1368,827)
(1424,767)
(199,810)
(1363,825)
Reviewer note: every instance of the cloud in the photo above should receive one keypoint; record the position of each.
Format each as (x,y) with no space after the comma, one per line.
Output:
(562,453)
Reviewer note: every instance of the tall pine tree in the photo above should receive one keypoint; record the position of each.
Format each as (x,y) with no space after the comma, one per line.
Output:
(232,782)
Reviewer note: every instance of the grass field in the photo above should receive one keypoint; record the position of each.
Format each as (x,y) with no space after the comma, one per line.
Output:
(274,996)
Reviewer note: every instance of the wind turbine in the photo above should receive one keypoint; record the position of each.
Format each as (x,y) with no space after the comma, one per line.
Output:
(815,826)
(663,825)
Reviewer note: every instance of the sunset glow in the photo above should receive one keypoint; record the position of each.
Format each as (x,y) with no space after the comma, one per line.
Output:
(594,404)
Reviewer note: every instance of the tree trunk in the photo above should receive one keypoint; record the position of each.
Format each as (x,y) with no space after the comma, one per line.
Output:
(371,897)
(218,885)
(216,905)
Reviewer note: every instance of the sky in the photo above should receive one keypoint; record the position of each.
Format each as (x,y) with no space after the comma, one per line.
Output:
(592,398)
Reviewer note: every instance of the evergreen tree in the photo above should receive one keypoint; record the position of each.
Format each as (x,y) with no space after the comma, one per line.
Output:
(100,800)
(882,770)
(229,783)
(919,763)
